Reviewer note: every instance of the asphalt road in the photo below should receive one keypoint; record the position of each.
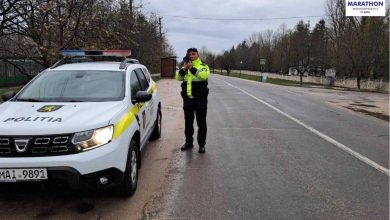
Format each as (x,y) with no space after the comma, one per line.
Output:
(261,164)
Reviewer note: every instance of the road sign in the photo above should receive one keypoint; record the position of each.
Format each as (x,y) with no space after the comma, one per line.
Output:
(262,61)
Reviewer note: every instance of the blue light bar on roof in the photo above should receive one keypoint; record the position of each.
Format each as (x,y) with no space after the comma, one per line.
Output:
(115,53)
(67,53)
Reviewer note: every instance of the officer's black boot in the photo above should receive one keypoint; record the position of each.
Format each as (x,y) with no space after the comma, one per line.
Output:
(202,149)
(186,146)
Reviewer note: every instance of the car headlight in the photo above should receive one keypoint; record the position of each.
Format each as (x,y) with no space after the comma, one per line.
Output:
(88,140)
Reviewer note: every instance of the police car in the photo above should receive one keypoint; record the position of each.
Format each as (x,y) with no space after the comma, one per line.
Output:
(81,122)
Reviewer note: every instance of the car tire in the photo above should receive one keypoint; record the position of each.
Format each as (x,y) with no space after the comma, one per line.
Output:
(156,134)
(130,177)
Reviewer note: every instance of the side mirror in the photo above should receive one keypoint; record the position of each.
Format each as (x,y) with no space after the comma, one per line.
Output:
(8,95)
(142,96)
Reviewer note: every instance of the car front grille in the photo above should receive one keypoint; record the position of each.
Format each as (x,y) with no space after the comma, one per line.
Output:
(30,146)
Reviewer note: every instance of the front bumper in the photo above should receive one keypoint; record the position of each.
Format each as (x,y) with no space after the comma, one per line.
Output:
(66,177)
(76,169)
(75,180)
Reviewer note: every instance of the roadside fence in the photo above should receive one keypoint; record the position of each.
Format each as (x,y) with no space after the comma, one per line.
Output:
(369,84)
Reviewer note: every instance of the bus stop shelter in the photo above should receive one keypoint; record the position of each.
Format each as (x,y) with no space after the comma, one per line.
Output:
(168,67)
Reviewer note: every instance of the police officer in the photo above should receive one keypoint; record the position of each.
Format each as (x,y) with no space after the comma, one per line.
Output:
(194,75)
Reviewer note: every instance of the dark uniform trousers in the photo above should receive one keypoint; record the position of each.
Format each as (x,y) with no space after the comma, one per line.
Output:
(196,106)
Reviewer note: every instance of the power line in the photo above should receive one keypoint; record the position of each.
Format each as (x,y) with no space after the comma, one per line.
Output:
(243,19)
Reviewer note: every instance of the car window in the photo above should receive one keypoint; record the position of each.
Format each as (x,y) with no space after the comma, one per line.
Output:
(76,85)
(142,79)
(147,74)
(135,85)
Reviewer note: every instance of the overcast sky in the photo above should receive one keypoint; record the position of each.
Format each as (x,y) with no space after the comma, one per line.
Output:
(219,35)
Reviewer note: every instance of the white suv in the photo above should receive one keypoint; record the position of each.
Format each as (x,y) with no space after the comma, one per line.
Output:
(81,122)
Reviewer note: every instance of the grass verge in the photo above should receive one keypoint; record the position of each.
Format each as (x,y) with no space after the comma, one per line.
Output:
(282,82)
(6,89)
(156,78)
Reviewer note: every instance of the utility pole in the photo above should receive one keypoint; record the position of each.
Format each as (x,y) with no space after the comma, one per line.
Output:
(131,8)
(160,24)
(213,64)
(240,67)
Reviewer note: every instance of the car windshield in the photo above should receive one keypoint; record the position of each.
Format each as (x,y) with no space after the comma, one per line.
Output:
(75,86)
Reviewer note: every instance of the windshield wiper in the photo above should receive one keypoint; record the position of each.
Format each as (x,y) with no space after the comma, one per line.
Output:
(29,100)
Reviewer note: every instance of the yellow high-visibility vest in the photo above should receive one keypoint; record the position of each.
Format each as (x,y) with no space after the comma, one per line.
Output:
(202,74)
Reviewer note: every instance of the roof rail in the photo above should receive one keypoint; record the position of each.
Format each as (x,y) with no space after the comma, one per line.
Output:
(126,61)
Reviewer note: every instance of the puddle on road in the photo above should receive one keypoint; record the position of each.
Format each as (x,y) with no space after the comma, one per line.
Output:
(375,114)
(363,105)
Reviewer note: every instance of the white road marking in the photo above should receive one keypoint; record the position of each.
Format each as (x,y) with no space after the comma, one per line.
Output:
(320,134)
(262,129)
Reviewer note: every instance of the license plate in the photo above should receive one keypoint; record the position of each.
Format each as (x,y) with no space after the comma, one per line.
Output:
(14,175)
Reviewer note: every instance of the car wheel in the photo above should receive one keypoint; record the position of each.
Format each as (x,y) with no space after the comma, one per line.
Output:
(156,134)
(130,177)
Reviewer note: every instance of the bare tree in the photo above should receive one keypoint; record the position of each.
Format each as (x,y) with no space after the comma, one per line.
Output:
(358,42)
(39,29)
(319,41)
(203,52)
(300,48)
(10,12)
(47,25)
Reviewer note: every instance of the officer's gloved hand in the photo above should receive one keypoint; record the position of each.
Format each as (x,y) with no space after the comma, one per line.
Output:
(182,72)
